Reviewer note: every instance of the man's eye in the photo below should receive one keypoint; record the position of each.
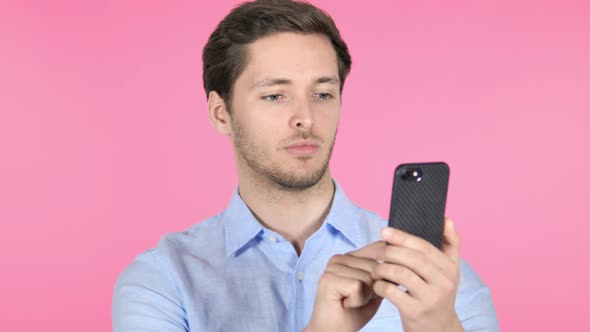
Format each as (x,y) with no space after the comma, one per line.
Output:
(273,97)
(323,96)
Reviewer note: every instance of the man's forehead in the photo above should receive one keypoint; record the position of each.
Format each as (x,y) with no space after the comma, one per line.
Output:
(282,50)
(289,58)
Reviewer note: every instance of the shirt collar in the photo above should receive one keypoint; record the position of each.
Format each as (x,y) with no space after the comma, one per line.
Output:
(241,226)
(346,218)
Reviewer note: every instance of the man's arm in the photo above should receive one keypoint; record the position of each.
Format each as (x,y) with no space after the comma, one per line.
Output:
(145,299)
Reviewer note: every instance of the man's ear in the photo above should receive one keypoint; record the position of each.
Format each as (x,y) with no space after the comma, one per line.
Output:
(218,114)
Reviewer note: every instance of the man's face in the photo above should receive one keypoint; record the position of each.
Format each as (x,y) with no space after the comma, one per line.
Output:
(285,109)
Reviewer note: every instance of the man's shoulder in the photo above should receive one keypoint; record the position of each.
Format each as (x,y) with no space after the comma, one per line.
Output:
(201,240)
(370,217)
(154,281)
(207,234)
(370,220)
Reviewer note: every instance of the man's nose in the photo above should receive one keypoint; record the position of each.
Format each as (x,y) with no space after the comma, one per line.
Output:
(302,118)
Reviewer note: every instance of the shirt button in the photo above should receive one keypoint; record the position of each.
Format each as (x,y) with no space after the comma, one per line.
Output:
(272,239)
(300,275)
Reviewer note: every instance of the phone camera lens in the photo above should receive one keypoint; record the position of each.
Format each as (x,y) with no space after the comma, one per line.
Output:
(412,174)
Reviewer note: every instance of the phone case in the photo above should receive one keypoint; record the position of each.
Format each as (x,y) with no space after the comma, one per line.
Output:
(418,200)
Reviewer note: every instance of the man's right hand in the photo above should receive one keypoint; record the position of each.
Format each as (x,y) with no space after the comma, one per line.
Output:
(345,300)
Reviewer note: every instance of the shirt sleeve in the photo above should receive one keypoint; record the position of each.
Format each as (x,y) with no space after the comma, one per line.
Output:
(474,303)
(146,300)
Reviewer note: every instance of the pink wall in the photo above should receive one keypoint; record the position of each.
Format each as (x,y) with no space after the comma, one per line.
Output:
(105,144)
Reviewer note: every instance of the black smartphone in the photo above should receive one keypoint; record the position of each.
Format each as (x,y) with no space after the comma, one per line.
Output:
(419,198)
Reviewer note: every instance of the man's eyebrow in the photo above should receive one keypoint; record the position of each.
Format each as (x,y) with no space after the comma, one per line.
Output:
(269,82)
(328,79)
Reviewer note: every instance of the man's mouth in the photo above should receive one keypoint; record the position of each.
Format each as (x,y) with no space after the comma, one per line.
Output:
(302,148)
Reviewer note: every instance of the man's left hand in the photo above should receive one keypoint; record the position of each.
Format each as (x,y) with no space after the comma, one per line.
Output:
(430,275)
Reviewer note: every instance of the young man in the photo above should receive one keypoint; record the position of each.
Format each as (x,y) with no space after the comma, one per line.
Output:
(291,252)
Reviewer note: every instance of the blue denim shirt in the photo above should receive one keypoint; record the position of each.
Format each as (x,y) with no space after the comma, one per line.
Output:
(228,273)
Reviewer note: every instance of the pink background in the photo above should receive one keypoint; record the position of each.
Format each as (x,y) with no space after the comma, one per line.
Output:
(105,143)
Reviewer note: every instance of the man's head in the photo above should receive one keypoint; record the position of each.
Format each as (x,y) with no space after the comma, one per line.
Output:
(279,66)
(225,55)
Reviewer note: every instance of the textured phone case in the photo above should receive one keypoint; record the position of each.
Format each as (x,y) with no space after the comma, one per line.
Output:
(418,207)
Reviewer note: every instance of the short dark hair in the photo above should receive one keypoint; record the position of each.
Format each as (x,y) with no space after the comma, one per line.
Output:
(224,55)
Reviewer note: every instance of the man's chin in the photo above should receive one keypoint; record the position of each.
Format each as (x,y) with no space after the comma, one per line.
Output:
(295,182)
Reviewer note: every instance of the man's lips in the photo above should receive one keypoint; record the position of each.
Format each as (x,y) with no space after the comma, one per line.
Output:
(302,148)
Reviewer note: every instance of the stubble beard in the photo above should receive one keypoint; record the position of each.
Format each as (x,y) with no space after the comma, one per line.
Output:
(255,158)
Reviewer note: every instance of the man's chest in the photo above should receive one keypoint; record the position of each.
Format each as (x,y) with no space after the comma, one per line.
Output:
(254,293)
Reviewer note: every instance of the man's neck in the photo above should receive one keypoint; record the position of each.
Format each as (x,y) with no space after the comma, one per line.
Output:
(294,214)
